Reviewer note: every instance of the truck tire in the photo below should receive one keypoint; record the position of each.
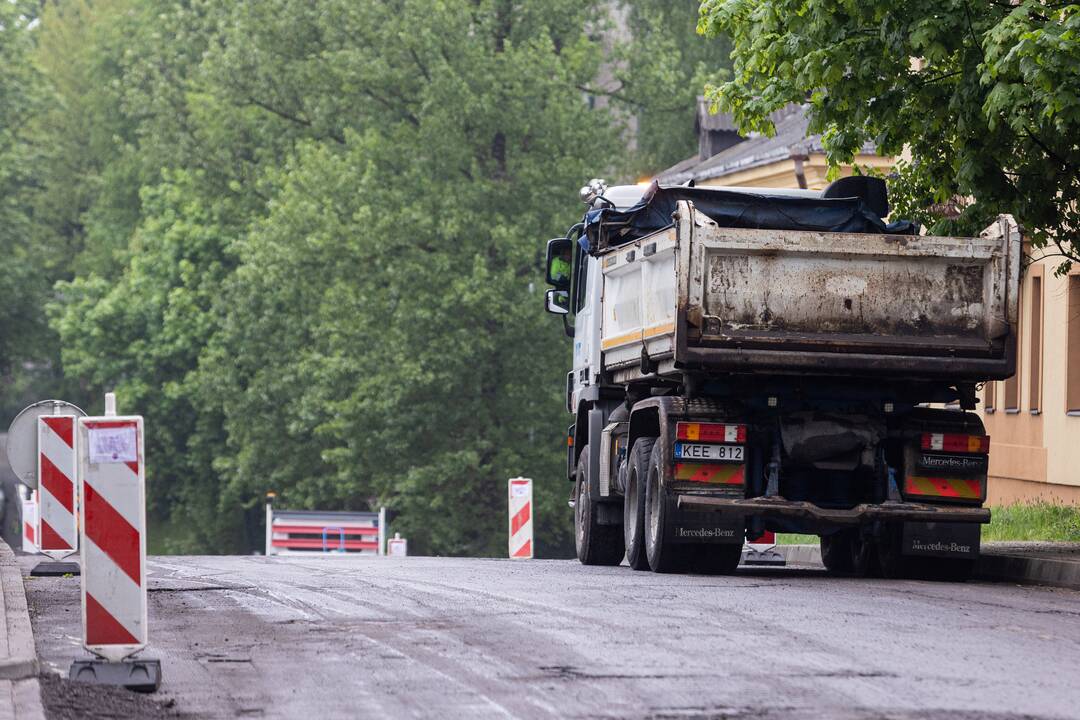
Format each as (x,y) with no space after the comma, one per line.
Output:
(634,503)
(596,544)
(837,553)
(713,559)
(664,556)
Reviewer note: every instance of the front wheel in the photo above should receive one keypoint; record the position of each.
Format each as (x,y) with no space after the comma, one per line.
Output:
(596,544)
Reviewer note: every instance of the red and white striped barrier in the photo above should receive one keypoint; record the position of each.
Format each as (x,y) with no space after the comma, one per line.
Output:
(521,521)
(113,523)
(29,523)
(762,550)
(58,533)
(290,532)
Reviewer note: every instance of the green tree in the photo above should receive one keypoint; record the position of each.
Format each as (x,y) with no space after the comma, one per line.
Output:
(985,95)
(660,72)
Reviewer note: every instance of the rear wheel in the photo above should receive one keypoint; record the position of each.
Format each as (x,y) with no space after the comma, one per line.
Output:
(864,555)
(596,544)
(714,559)
(664,556)
(837,554)
(634,503)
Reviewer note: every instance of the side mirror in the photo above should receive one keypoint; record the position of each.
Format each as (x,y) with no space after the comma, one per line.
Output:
(557,302)
(559,254)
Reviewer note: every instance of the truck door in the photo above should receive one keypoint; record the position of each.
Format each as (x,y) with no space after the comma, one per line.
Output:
(585,302)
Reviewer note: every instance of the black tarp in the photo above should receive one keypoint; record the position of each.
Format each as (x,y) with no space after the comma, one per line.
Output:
(736,210)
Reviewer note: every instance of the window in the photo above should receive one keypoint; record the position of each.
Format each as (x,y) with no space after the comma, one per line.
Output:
(1011,399)
(990,396)
(1072,350)
(1035,349)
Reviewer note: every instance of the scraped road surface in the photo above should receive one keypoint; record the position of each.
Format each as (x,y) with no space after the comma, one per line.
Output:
(343,637)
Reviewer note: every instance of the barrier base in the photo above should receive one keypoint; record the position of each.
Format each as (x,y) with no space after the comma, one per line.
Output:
(763,557)
(138,675)
(47,568)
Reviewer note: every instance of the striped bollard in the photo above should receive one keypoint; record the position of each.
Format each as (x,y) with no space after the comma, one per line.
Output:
(521,525)
(57,527)
(113,528)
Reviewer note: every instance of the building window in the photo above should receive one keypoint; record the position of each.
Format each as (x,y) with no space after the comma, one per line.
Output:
(1036,342)
(1011,399)
(990,396)
(1072,351)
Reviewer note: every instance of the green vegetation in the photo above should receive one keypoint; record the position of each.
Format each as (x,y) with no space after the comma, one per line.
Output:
(1034,521)
(990,110)
(304,240)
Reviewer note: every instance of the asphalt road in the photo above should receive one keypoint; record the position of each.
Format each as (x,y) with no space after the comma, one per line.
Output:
(346,637)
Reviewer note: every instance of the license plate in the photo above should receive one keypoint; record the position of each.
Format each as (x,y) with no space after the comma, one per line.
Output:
(703,452)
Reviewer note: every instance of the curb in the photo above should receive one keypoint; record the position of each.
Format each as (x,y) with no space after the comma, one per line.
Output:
(1022,569)
(801,554)
(993,566)
(20,693)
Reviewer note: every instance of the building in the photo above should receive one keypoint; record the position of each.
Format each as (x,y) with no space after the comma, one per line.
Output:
(1033,418)
(789,159)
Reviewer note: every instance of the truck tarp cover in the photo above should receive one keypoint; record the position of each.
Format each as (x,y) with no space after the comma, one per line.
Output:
(736,210)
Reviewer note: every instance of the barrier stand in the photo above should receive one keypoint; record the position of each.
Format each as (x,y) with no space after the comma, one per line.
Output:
(58,529)
(762,551)
(112,492)
(521,525)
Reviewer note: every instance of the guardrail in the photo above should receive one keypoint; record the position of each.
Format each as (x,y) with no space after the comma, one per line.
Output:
(294,532)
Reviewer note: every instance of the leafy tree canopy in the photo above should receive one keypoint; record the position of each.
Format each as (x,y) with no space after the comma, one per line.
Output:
(985,96)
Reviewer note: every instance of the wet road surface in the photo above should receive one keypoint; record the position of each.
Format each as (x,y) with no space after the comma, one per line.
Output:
(330,637)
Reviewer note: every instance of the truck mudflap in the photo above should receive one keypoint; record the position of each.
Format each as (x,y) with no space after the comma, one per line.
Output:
(779,507)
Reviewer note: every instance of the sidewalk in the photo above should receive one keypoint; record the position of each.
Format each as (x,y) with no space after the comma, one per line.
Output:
(20,694)
(1038,563)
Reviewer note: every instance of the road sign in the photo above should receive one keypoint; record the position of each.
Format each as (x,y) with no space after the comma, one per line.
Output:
(57,526)
(521,526)
(397,546)
(113,537)
(22,440)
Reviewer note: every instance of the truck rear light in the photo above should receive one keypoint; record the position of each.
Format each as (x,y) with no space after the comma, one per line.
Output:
(710,432)
(950,442)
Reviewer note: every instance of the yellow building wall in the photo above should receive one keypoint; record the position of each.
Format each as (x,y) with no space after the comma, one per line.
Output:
(781,174)
(1036,456)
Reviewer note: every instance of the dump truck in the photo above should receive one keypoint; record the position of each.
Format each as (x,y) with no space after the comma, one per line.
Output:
(779,360)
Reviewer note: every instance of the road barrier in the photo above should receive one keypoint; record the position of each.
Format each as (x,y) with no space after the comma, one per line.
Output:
(520,504)
(29,523)
(292,532)
(111,471)
(762,550)
(397,546)
(58,530)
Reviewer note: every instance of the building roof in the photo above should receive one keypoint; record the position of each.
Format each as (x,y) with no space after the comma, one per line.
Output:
(791,139)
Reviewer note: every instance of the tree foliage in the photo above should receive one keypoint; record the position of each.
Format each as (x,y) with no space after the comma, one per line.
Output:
(304,240)
(986,96)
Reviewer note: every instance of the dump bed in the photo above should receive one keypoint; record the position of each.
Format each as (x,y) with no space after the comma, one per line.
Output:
(697,295)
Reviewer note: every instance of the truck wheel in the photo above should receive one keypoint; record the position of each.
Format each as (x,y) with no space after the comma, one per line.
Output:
(715,559)
(596,544)
(837,554)
(663,555)
(634,503)
(865,560)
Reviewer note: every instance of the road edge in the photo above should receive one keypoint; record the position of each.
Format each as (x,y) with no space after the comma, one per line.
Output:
(993,566)
(19,664)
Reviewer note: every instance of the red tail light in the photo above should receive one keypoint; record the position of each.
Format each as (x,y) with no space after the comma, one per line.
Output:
(710,432)
(949,442)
